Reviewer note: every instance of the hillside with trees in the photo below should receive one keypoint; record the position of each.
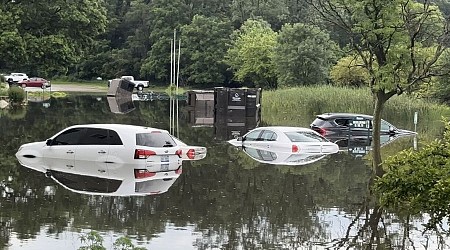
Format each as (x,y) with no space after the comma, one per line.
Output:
(268,44)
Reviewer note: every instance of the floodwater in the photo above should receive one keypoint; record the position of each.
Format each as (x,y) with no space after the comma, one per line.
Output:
(227,200)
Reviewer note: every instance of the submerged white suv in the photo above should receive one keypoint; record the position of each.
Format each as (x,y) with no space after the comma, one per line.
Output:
(107,150)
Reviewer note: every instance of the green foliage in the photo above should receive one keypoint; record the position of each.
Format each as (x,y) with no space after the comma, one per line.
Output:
(124,243)
(250,55)
(276,12)
(349,72)
(92,240)
(438,87)
(203,49)
(16,94)
(4,89)
(303,55)
(47,38)
(163,23)
(418,181)
(2,79)
(398,41)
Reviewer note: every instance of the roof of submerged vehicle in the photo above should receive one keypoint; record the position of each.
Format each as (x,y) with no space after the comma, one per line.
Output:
(285,129)
(120,127)
(335,115)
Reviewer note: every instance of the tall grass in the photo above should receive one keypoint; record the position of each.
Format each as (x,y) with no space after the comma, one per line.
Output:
(299,106)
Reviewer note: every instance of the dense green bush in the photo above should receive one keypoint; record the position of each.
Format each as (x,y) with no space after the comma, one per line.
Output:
(2,78)
(418,181)
(16,94)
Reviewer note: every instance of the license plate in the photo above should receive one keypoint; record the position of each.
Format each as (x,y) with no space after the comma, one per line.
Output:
(164,158)
(164,167)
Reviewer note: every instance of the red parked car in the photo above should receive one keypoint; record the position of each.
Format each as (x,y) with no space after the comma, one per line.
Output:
(35,82)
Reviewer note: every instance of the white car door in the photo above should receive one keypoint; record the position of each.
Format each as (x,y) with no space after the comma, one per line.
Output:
(59,153)
(92,152)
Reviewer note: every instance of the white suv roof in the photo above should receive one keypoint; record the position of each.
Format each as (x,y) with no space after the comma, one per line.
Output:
(120,127)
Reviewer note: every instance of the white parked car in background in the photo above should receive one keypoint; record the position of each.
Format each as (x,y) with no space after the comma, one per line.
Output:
(286,140)
(15,77)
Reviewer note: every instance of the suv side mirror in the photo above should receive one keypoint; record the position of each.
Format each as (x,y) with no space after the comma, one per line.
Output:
(49,142)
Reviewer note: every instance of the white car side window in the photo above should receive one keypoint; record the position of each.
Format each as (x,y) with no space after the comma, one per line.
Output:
(269,135)
(252,136)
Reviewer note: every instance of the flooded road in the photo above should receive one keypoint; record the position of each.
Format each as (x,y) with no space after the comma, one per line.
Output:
(227,200)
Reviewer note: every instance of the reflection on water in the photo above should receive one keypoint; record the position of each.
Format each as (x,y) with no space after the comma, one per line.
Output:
(280,158)
(362,145)
(226,200)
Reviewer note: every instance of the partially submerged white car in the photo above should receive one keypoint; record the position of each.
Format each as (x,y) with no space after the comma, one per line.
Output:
(106,150)
(296,140)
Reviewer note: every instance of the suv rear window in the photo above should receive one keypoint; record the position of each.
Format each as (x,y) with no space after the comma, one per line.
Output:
(305,137)
(319,121)
(155,139)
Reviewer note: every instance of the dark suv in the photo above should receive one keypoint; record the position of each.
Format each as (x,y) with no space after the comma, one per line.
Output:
(344,124)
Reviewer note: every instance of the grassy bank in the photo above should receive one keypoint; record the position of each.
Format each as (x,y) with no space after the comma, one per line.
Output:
(298,106)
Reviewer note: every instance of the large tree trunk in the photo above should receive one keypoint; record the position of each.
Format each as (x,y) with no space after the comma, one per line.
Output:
(380,100)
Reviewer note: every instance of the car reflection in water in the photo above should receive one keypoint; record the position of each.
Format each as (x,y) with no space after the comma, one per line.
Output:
(127,184)
(110,159)
(285,145)
(362,145)
(278,158)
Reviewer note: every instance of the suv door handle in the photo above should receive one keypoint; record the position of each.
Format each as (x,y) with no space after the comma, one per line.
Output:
(101,170)
(70,152)
(69,166)
(102,152)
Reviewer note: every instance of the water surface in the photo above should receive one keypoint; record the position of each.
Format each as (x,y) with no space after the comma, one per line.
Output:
(225,201)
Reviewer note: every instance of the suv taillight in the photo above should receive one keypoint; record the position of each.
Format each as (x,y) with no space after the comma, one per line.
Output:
(143,153)
(179,152)
(321,131)
(294,149)
(143,173)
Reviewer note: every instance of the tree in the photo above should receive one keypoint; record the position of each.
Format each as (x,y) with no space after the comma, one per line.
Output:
(349,72)
(12,45)
(50,35)
(251,53)
(203,48)
(303,55)
(165,17)
(275,12)
(399,42)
